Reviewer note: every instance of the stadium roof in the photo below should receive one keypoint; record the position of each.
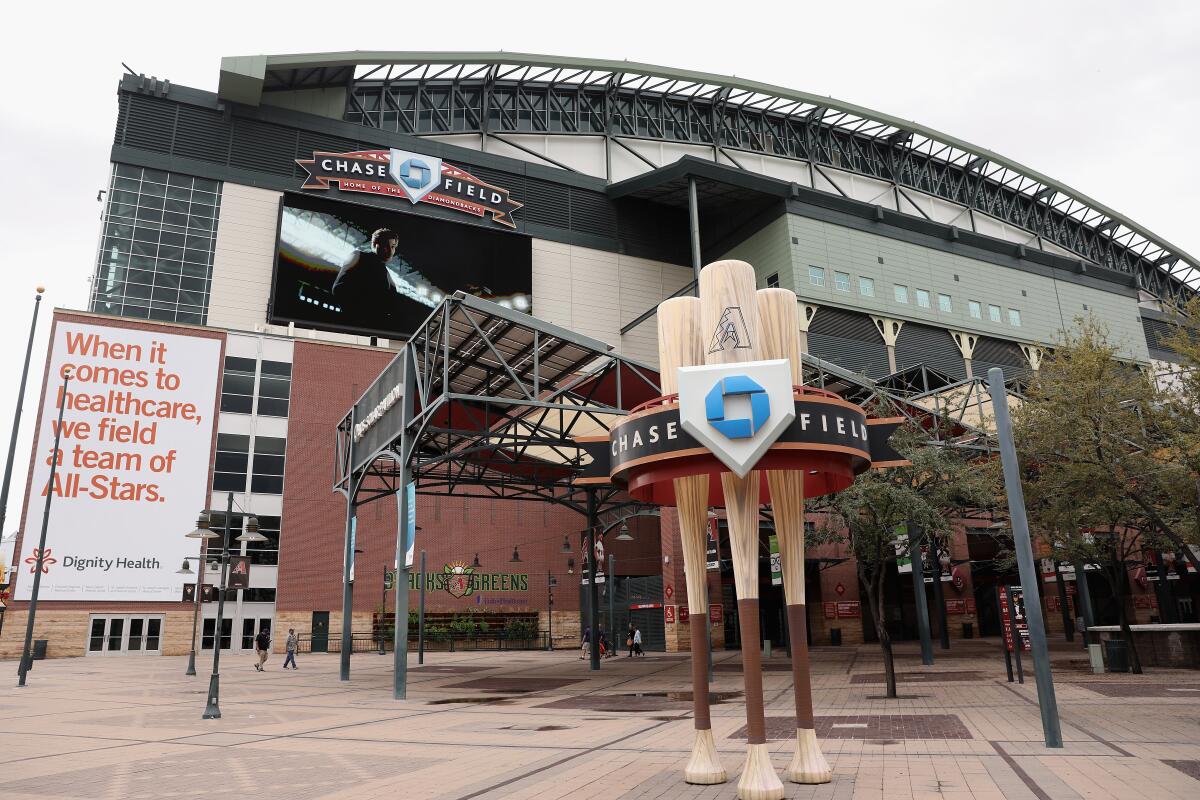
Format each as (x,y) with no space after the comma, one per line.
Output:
(626,100)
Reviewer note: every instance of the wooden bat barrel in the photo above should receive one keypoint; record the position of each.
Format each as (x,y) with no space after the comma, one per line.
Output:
(729,322)
(680,345)
(779,337)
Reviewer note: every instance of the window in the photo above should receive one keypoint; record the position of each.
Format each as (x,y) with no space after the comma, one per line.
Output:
(237,385)
(773,280)
(209,629)
(816,276)
(923,298)
(1014,317)
(274,388)
(268,465)
(994,313)
(901,294)
(945,305)
(233,455)
(156,253)
(124,634)
(841,281)
(866,286)
(974,309)
(265,552)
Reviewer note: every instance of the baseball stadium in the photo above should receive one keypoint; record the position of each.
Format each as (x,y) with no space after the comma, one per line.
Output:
(273,243)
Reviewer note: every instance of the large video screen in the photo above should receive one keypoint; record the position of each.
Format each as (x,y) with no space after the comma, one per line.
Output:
(342,266)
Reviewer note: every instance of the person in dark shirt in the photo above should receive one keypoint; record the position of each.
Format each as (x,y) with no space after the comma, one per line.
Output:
(362,288)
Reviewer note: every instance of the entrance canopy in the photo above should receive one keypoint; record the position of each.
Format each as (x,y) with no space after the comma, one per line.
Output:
(487,401)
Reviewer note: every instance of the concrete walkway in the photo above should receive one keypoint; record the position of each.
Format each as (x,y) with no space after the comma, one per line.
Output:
(539,725)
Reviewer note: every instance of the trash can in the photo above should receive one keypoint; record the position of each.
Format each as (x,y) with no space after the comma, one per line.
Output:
(1116,652)
(39,649)
(835,636)
(968,630)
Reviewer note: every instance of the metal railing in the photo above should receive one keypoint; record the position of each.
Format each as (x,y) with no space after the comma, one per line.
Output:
(439,641)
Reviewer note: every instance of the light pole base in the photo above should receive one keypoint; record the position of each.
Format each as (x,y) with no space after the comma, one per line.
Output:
(213,711)
(191,668)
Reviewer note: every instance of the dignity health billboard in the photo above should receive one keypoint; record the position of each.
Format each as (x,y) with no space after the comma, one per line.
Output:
(132,463)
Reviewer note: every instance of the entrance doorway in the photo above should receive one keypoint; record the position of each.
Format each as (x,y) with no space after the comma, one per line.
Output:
(320,631)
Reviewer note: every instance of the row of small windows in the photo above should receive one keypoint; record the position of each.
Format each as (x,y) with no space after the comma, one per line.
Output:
(234,465)
(238,386)
(923,298)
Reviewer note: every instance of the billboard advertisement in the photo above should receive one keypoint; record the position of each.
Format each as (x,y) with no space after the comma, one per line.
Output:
(131,468)
(348,267)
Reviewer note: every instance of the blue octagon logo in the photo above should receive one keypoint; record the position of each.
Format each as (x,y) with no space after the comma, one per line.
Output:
(415,173)
(741,427)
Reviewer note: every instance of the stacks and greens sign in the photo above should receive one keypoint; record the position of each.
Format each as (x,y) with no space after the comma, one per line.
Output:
(458,579)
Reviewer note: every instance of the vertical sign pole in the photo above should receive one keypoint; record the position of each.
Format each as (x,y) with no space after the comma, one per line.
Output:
(612,593)
(915,535)
(694,232)
(1085,600)
(1029,579)
(1064,604)
(16,426)
(939,596)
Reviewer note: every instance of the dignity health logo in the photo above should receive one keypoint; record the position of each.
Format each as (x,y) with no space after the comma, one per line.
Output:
(46,560)
(737,410)
(81,563)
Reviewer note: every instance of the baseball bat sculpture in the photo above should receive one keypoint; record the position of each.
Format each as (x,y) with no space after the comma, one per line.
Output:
(729,324)
(779,337)
(680,345)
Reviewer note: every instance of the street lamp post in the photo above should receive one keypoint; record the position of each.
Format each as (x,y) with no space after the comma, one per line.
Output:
(40,554)
(16,427)
(551,582)
(204,531)
(199,588)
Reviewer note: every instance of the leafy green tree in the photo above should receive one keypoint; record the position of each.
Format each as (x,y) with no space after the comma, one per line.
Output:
(1093,437)
(930,494)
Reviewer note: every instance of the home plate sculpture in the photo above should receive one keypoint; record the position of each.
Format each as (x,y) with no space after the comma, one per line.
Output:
(734,409)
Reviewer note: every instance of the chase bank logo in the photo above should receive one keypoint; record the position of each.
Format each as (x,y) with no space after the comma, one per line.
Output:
(737,386)
(417,174)
(737,411)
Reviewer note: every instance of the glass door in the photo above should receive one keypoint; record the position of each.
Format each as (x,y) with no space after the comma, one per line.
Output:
(124,634)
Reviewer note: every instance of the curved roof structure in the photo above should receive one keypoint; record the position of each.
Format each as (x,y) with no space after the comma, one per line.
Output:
(442,94)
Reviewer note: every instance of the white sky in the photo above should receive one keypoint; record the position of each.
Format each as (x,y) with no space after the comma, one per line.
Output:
(1102,96)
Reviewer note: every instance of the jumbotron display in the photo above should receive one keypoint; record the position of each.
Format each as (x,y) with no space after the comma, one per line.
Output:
(347,267)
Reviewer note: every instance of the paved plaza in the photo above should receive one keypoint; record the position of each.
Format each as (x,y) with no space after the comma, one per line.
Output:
(527,725)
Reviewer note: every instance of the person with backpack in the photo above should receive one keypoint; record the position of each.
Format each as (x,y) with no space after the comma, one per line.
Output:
(585,645)
(629,640)
(293,644)
(262,647)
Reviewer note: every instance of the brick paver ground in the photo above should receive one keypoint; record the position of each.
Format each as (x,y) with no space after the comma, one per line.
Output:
(540,726)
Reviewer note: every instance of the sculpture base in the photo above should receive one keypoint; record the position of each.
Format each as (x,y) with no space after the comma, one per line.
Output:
(808,763)
(704,767)
(759,781)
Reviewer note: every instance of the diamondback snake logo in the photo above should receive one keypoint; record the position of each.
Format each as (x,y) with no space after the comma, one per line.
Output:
(730,332)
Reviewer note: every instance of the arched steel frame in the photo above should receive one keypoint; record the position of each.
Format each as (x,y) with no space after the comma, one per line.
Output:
(499,94)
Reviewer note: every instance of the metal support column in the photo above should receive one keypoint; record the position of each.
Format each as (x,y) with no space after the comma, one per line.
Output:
(421,614)
(1047,703)
(348,559)
(1085,600)
(1063,605)
(593,591)
(16,425)
(915,536)
(939,597)
(612,599)
(400,654)
(694,231)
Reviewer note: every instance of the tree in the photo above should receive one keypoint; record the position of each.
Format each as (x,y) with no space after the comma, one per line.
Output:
(931,494)
(1093,435)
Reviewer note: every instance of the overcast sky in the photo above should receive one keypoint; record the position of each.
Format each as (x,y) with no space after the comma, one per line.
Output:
(1101,96)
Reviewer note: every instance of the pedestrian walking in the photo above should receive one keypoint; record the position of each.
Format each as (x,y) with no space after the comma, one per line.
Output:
(637,642)
(293,644)
(629,641)
(262,647)
(585,645)
(603,643)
